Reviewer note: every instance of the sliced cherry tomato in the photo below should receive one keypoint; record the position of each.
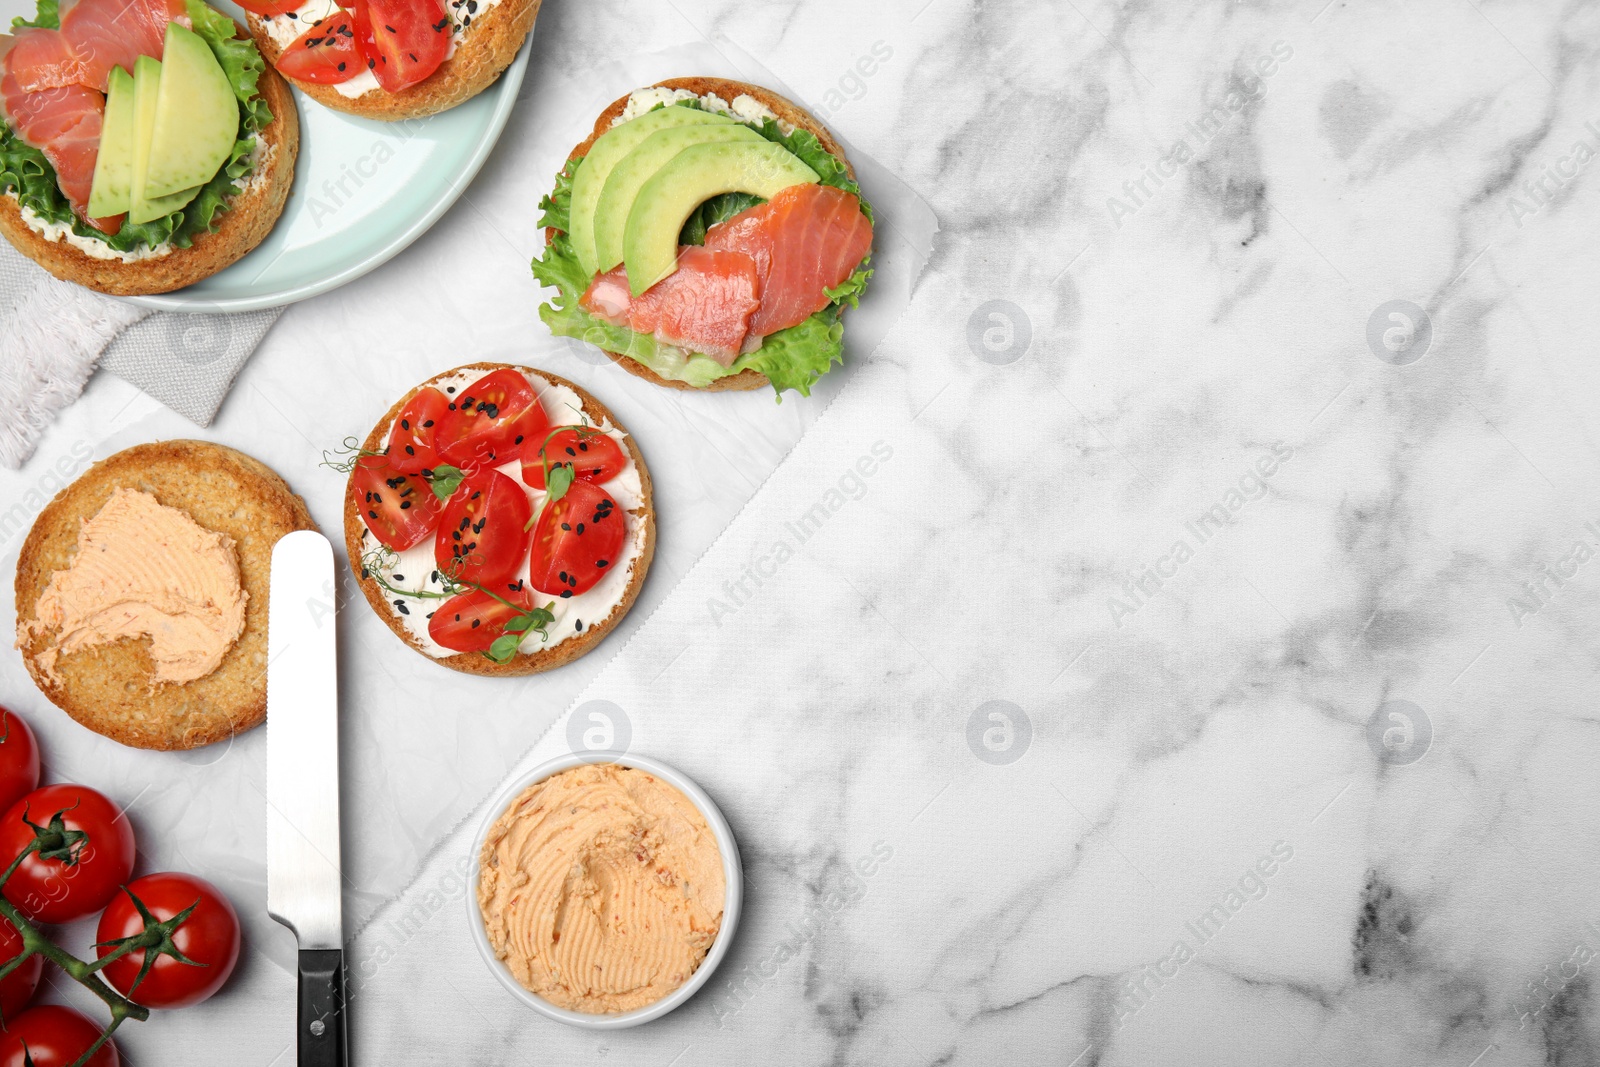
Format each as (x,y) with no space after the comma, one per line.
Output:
(88,854)
(19,759)
(414,438)
(578,537)
(492,420)
(17,988)
(269,8)
(325,54)
(483,534)
(209,936)
(412,37)
(594,456)
(53,1036)
(400,509)
(472,621)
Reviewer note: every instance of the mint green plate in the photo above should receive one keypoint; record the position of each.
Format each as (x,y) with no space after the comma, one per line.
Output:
(363,191)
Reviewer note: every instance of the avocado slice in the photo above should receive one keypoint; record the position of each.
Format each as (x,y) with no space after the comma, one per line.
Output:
(112,190)
(636,168)
(606,152)
(693,176)
(196,119)
(146,91)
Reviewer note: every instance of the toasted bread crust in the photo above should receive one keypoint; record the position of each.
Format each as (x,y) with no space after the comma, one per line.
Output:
(250,217)
(544,659)
(108,687)
(785,109)
(482,54)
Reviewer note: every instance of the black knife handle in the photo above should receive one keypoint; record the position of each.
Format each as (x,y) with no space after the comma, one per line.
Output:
(320,1032)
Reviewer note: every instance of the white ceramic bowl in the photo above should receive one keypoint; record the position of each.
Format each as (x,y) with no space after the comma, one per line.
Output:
(732,873)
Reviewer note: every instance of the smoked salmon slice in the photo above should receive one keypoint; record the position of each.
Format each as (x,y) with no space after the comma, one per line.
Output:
(64,123)
(95,36)
(704,306)
(115,33)
(805,240)
(40,58)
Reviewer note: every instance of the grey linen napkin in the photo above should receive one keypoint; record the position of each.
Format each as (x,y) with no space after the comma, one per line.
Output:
(53,334)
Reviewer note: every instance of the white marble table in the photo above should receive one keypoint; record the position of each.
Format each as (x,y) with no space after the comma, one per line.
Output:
(1237,451)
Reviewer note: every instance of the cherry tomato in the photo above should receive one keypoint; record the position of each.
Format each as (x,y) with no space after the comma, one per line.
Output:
(596,457)
(471,622)
(410,39)
(483,535)
(93,857)
(414,438)
(577,538)
(53,1036)
(16,988)
(209,937)
(325,54)
(269,8)
(399,509)
(492,420)
(19,759)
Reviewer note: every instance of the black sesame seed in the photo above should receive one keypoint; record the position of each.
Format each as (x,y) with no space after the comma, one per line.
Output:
(403,609)
(563,576)
(405,424)
(341,67)
(409,450)
(577,624)
(602,563)
(570,452)
(404,504)
(580,529)
(427,424)
(518,441)
(566,527)
(565,593)
(374,514)
(371,64)
(475,623)
(450,389)
(398,577)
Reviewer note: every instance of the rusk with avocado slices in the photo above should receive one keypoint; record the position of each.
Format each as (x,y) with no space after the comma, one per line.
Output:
(238,179)
(742,179)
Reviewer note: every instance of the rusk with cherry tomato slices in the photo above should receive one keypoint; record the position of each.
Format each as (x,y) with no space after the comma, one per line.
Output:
(85,854)
(18,987)
(53,1036)
(171,968)
(19,759)
(592,455)
(483,533)
(401,510)
(507,486)
(491,421)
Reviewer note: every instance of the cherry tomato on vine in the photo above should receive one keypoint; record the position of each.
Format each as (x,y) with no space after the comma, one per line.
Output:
(53,1036)
(86,852)
(208,935)
(19,759)
(17,988)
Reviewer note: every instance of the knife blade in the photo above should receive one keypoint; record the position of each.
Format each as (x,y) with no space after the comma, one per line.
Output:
(303,862)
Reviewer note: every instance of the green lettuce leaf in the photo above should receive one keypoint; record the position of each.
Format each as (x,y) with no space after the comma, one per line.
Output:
(47,17)
(717,209)
(26,172)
